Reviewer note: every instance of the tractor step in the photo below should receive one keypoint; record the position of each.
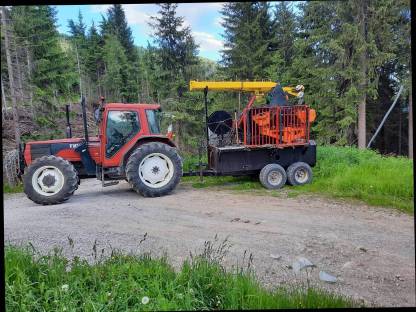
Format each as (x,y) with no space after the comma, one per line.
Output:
(110,183)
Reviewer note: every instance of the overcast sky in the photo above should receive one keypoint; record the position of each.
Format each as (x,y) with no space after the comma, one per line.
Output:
(203,18)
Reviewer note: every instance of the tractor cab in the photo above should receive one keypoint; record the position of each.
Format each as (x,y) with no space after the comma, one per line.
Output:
(121,126)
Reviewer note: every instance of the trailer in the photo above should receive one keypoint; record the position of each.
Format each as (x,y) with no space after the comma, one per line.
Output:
(272,142)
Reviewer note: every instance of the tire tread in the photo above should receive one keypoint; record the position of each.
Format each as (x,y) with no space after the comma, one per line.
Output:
(132,169)
(266,170)
(291,173)
(70,176)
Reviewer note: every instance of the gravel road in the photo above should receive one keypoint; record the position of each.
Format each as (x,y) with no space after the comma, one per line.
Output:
(370,250)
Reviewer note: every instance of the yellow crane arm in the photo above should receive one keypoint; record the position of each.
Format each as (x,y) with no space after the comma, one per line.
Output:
(259,87)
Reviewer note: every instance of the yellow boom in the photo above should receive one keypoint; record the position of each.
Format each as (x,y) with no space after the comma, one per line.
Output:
(259,87)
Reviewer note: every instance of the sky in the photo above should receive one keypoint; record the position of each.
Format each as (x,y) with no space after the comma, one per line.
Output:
(203,18)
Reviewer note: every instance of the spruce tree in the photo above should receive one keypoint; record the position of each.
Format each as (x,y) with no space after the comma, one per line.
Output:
(177,49)
(53,75)
(77,29)
(116,24)
(94,62)
(248,30)
(117,71)
(285,31)
(175,54)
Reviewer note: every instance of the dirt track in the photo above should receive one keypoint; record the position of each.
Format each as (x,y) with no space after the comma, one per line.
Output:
(370,250)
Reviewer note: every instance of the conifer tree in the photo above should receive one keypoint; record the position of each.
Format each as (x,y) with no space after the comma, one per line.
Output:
(176,52)
(53,75)
(94,62)
(176,47)
(116,24)
(248,32)
(116,77)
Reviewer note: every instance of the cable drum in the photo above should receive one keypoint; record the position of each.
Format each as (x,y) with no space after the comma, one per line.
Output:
(220,122)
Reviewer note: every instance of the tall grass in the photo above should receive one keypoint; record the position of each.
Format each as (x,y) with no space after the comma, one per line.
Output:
(12,189)
(345,172)
(365,175)
(121,283)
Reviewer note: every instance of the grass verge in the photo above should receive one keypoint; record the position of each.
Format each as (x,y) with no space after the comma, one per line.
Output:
(12,189)
(344,172)
(123,282)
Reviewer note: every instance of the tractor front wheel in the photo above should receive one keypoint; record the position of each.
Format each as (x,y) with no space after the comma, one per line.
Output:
(50,180)
(154,169)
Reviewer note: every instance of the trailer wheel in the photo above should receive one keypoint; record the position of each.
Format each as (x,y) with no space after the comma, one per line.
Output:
(273,176)
(154,169)
(50,180)
(299,173)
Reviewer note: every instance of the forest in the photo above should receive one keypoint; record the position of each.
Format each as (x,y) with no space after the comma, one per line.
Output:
(351,56)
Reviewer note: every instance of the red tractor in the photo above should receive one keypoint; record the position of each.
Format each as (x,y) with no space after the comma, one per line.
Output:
(129,146)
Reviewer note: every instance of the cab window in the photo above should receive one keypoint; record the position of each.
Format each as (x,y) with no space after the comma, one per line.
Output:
(153,120)
(122,126)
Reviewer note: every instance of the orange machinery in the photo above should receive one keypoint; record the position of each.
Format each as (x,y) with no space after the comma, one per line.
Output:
(278,125)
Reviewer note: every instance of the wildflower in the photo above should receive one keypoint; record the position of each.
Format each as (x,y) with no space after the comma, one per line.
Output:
(108,294)
(65,287)
(145,300)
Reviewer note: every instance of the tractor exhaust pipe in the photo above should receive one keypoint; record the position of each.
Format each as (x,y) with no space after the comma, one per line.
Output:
(68,125)
(84,117)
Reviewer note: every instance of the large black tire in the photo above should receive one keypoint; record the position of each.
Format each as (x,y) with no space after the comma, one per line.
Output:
(299,173)
(33,190)
(138,178)
(273,176)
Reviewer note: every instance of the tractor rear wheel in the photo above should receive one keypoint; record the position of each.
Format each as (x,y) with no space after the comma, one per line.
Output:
(154,169)
(299,173)
(50,180)
(273,176)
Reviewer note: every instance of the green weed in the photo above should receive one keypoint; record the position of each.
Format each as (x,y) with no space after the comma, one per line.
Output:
(121,282)
(12,189)
(365,175)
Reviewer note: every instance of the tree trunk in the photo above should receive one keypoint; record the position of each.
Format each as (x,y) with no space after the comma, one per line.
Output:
(362,123)
(410,126)
(29,77)
(399,152)
(3,100)
(362,128)
(19,78)
(79,71)
(177,129)
(147,88)
(11,78)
